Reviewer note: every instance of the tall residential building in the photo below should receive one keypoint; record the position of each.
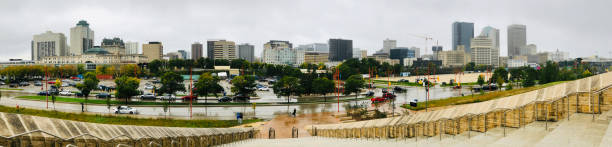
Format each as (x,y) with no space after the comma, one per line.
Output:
(113,46)
(196,51)
(400,53)
(314,47)
(246,52)
(483,51)
(81,38)
(517,39)
(131,48)
(280,53)
(221,49)
(183,54)
(340,49)
(48,44)
(388,45)
(463,32)
(492,33)
(153,50)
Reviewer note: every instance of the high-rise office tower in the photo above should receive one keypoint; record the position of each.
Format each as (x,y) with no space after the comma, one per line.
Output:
(48,44)
(153,50)
(340,49)
(246,52)
(400,53)
(81,38)
(221,49)
(196,51)
(463,32)
(388,44)
(517,39)
(131,48)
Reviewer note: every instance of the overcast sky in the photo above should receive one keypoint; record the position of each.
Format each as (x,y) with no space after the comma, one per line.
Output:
(583,28)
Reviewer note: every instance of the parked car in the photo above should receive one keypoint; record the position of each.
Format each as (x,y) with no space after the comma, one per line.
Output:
(189,97)
(240,97)
(167,97)
(43,93)
(103,95)
(148,87)
(65,84)
(402,80)
(78,94)
(150,96)
(2,83)
(388,96)
(38,83)
(264,88)
(125,110)
(225,99)
(24,84)
(399,89)
(377,99)
(369,93)
(14,85)
(65,93)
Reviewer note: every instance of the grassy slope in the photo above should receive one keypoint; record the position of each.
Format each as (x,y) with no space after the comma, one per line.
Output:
(125,120)
(476,98)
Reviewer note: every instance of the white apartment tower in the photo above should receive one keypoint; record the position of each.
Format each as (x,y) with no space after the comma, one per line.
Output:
(281,53)
(388,45)
(484,51)
(48,44)
(81,38)
(131,48)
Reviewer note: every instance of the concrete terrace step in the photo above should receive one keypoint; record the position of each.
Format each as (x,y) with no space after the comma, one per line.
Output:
(580,131)
(607,138)
(525,136)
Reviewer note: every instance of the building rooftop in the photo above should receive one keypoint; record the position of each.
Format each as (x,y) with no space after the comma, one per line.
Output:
(83,23)
(96,50)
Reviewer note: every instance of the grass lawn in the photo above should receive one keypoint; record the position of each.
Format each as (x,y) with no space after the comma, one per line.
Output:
(477,97)
(126,120)
(10,89)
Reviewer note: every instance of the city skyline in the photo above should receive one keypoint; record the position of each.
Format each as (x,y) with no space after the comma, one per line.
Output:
(177,27)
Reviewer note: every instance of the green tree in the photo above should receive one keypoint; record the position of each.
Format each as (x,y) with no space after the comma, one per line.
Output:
(171,83)
(126,87)
(550,73)
(531,77)
(353,84)
(501,73)
(244,85)
(323,86)
(155,66)
(288,86)
(81,69)
(480,80)
(586,73)
(90,82)
(500,82)
(207,84)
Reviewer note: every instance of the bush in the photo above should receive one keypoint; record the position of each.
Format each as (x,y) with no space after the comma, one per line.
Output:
(378,114)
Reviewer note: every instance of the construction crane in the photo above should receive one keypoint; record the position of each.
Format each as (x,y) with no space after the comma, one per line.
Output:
(426,37)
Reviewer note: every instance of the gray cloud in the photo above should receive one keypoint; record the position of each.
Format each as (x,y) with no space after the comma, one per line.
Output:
(579,27)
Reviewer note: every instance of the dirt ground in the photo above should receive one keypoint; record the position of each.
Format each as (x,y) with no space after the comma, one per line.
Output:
(283,124)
